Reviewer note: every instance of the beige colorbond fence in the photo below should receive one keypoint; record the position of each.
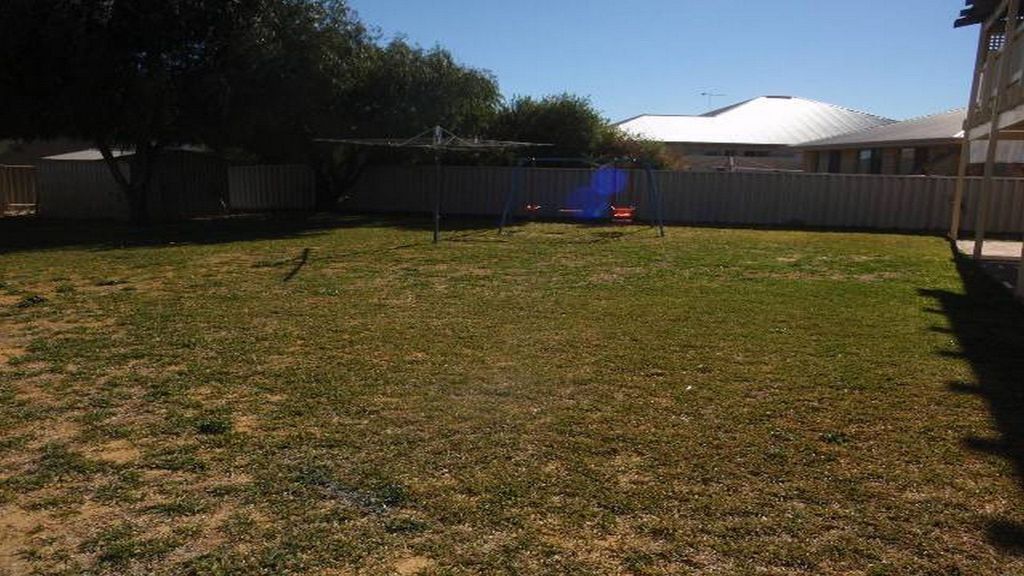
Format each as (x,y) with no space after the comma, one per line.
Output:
(288,187)
(906,203)
(80,190)
(186,185)
(17,188)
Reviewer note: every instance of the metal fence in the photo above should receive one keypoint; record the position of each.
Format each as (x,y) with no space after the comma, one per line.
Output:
(904,203)
(259,188)
(80,190)
(17,189)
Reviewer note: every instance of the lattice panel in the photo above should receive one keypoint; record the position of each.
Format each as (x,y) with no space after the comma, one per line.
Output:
(996,41)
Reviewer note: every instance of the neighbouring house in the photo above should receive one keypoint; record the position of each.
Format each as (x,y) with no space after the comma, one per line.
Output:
(756,134)
(929,145)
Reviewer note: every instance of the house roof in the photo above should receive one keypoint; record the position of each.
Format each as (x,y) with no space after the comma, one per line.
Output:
(767,120)
(977,11)
(88,155)
(946,127)
(93,154)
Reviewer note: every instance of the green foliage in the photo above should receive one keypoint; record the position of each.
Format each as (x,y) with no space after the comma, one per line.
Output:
(213,425)
(574,128)
(256,81)
(402,89)
(569,123)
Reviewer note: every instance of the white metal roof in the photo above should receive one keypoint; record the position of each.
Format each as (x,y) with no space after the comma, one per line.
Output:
(88,155)
(93,154)
(944,127)
(767,120)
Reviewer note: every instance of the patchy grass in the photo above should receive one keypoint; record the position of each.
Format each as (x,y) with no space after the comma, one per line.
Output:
(342,397)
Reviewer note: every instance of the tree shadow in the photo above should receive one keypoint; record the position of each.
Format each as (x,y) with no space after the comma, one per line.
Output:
(26,234)
(988,323)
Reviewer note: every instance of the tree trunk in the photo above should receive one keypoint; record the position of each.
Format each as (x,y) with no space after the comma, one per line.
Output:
(137,185)
(339,180)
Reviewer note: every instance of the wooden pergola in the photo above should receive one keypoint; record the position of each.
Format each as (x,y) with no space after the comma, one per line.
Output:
(996,109)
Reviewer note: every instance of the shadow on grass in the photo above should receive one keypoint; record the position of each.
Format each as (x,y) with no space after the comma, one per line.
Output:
(26,234)
(988,323)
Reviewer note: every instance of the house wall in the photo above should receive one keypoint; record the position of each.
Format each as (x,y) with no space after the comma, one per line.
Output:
(714,157)
(942,160)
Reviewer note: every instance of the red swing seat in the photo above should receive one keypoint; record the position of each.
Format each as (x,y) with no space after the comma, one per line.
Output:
(623,214)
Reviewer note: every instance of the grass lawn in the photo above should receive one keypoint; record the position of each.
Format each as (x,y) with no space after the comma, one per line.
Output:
(341,397)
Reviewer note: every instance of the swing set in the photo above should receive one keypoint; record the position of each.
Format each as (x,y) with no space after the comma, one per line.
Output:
(611,195)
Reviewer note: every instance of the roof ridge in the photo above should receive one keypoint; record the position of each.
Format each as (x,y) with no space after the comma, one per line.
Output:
(846,108)
(927,116)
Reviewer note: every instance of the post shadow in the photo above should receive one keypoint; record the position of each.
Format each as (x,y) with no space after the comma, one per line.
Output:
(988,323)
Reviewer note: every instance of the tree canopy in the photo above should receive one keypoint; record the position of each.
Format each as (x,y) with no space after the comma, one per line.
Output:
(574,128)
(257,79)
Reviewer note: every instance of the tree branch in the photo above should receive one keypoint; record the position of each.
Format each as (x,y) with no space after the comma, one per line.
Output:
(112,164)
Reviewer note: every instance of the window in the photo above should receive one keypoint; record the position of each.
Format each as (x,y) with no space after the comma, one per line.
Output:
(922,157)
(823,162)
(869,161)
(908,160)
(835,162)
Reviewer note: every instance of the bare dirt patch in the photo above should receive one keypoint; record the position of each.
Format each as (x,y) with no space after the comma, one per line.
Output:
(413,565)
(246,423)
(116,452)
(9,352)
(16,529)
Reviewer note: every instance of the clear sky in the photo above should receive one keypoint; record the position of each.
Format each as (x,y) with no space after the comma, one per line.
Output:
(896,58)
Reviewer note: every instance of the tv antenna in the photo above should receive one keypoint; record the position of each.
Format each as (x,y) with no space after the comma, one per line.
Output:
(711,95)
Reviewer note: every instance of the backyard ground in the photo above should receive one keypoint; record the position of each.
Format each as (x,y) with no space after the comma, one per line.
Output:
(339,396)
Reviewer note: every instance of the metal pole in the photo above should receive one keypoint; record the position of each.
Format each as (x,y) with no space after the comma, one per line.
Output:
(437,196)
(655,191)
(517,180)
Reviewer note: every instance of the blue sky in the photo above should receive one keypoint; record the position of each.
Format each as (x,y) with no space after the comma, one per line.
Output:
(897,58)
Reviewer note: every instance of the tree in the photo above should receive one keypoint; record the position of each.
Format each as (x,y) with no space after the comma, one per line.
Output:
(147,74)
(573,127)
(399,90)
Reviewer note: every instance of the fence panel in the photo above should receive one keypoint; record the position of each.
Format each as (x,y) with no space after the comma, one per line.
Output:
(189,185)
(17,188)
(286,187)
(80,190)
(904,203)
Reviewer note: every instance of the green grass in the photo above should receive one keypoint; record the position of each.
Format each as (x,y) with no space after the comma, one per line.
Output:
(561,400)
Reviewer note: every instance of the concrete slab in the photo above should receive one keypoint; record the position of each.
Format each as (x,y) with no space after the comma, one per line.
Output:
(992,249)
(999,259)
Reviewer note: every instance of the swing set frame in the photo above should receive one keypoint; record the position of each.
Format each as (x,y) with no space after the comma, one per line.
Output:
(653,196)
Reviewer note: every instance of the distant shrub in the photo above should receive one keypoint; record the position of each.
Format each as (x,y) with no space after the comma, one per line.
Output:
(212,426)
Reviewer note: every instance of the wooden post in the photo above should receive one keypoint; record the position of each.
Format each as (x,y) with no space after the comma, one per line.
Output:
(965,147)
(981,219)
(961,185)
